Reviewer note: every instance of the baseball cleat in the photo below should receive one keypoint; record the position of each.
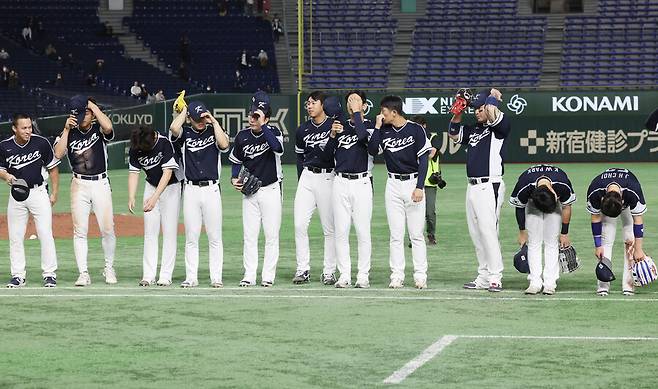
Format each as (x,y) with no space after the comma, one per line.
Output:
(110,275)
(362,284)
(396,283)
(494,287)
(602,292)
(162,282)
(266,284)
(328,279)
(301,277)
(246,284)
(628,292)
(83,279)
(421,284)
(549,291)
(431,239)
(474,285)
(145,283)
(16,282)
(189,284)
(533,289)
(341,284)
(49,282)
(217,284)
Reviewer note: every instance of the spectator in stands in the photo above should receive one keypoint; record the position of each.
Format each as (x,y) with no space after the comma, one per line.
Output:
(150,99)
(239,82)
(183,72)
(184,47)
(13,80)
(159,96)
(263,59)
(209,89)
(27,36)
(243,60)
(222,6)
(98,66)
(4,54)
(50,51)
(249,7)
(277,27)
(59,81)
(4,77)
(91,80)
(145,94)
(136,90)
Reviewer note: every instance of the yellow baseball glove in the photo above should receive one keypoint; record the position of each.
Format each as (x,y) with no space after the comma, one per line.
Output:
(180,103)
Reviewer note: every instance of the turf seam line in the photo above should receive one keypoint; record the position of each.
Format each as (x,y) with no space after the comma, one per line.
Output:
(420,360)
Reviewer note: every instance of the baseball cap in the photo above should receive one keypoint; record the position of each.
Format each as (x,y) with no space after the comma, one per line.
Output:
(195,109)
(479,99)
(333,108)
(78,107)
(19,190)
(260,101)
(604,270)
(521,260)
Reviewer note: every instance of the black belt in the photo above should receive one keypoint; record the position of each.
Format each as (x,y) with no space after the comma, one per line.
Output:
(318,170)
(36,185)
(352,176)
(478,180)
(90,178)
(201,183)
(403,177)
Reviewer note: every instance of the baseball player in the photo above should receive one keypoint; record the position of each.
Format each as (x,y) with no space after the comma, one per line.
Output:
(405,147)
(84,139)
(352,191)
(486,144)
(203,139)
(155,154)
(314,190)
(543,196)
(25,156)
(616,193)
(258,148)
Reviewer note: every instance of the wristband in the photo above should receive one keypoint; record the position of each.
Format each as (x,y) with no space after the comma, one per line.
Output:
(565,228)
(597,230)
(491,101)
(638,231)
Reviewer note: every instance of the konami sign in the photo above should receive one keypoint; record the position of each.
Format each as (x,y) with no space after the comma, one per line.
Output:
(595,104)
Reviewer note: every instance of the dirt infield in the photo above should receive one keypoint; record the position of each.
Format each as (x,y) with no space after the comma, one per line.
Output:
(124,225)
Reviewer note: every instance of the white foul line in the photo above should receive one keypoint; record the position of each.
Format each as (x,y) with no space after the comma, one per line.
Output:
(420,360)
(443,342)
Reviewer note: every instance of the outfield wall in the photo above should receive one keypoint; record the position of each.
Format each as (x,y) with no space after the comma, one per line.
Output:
(546,126)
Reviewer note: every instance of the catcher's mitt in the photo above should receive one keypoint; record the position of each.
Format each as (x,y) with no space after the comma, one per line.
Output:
(644,272)
(462,98)
(250,183)
(568,259)
(180,103)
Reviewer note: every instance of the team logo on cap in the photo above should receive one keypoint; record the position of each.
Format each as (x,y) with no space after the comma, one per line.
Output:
(198,109)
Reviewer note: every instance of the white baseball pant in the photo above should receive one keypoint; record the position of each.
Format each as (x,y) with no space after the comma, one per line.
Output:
(38,204)
(400,209)
(87,195)
(352,203)
(609,231)
(483,204)
(314,191)
(543,228)
(165,214)
(262,207)
(203,205)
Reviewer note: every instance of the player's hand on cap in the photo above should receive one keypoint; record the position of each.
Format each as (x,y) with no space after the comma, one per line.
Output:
(10,179)
(259,115)
(71,122)
(565,241)
(131,205)
(149,204)
(336,128)
(237,184)
(496,93)
(354,103)
(91,105)
(379,120)
(417,195)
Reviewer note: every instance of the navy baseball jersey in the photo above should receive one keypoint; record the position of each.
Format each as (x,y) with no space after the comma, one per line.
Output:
(256,154)
(527,182)
(29,160)
(162,156)
(350,148)
(311,140)
(200,153)
(87,150)
(401,146)
(486,145)
(631,191)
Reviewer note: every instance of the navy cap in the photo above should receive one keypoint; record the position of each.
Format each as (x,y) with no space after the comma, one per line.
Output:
(19,190)
(333,108)
(480,98)
(604,270)
(260,101)
(521,260)
(195,109)
(78,107)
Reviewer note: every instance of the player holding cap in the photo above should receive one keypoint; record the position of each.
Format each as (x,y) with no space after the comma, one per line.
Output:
(84,139)
(612,194)
(258,148)
(486,144)
(203,139)
(154,154)
(543,196)
(405,147)
(25,156)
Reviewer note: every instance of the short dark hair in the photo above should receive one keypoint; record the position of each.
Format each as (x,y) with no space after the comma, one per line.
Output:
(392,103)
(544,199)
(18,116)
(317,95)
(359,92)
(143,138)
(611,204)
(419,119)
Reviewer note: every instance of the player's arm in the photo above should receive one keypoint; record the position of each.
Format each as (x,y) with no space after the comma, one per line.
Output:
(149,203)
(360,127)
(329,151)
(638,234)
(176,126)
(374,144)
(597,234)
(235,172)
(62,142)
(418,193)
(103,120)
(564,231)
(221,138)
(236,157)
(133,180)
(299,151)
(9,178)
(275,141)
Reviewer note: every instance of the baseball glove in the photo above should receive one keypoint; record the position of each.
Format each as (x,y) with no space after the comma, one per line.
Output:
(568,259)
(462,98)
(180,103)
(250,183)
(644,272)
